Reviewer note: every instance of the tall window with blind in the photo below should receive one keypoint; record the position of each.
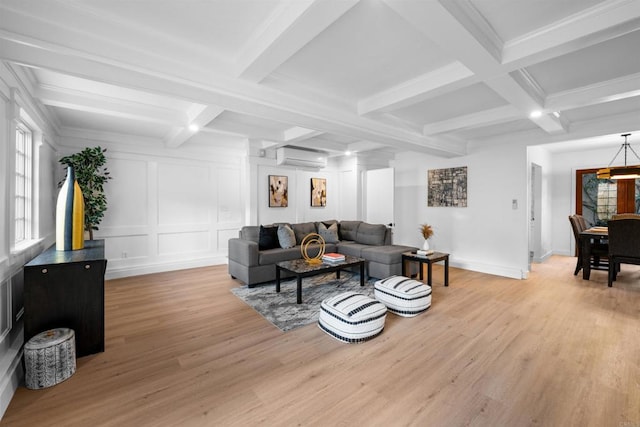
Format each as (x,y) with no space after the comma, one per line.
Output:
(23,190)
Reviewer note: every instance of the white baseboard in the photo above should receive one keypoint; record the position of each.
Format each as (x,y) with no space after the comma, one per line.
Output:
(137,270)
(11,372)
(497,270)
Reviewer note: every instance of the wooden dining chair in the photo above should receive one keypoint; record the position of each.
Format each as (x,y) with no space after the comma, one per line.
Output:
(624,235)
(598,250)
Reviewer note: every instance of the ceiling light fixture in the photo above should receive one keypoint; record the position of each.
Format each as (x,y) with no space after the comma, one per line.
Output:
(194,127)
(347,153)
(557,114)
(535,114)
(621,172)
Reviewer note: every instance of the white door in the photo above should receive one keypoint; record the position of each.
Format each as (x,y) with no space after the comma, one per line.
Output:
(379,196)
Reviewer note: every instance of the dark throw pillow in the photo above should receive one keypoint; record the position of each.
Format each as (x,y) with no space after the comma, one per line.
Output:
(268,238)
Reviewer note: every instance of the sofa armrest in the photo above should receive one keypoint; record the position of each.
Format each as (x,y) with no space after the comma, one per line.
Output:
(243,251)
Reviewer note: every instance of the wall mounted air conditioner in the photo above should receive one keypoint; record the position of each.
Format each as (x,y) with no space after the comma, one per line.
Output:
(298,157)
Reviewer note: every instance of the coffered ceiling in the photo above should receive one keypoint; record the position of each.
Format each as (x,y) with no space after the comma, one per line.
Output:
(430,76)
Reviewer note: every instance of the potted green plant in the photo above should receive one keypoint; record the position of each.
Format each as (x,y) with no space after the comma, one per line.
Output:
(91,174)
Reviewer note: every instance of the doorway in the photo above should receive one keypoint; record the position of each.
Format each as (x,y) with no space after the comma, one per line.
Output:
(535,215)
(597,200)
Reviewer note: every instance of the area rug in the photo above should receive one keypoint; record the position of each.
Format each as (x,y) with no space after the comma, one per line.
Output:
(281,308)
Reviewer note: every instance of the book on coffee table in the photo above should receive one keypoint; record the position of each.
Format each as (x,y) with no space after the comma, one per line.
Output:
(333,257)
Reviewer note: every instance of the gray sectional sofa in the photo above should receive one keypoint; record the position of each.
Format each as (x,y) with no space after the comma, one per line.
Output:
(251,265)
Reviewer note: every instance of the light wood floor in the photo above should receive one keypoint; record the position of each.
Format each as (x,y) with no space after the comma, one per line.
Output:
(181,350)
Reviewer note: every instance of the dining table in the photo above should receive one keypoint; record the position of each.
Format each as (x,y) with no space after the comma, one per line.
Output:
(588,238)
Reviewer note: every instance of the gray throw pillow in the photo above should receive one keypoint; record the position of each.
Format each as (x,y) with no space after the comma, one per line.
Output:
(286,236)
(329,234)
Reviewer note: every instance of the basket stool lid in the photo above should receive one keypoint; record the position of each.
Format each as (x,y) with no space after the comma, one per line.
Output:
(49,338)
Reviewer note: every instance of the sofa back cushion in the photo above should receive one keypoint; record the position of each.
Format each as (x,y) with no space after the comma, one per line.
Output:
(302,229)
(349,230)
(250,232)
(268,238)
(371,234)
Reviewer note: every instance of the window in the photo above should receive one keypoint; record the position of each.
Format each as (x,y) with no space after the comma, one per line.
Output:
(599,199)
(23,192)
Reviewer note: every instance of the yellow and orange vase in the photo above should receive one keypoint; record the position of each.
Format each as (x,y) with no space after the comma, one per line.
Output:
(70,215)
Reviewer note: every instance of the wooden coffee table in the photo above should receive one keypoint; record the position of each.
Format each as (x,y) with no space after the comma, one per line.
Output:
(299,268)
(428,259)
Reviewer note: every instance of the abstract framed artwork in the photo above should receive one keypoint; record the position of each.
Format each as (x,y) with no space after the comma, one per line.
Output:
(447,187)
(318,192)
(278,191)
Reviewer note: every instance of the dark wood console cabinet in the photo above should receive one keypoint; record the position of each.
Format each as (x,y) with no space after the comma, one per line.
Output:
(65,289)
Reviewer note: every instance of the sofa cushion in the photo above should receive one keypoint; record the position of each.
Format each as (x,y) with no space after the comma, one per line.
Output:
(268,238)
(250,232)
(286,236)
(271,256)
(302,229)
(371,234)
(351,248)
(349,230)
(389,254)
(329,234)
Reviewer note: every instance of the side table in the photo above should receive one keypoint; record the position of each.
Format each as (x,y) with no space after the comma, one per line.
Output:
(429,260)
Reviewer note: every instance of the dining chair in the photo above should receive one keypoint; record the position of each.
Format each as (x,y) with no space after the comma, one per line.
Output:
(598,250)
(626,216)
(624,235)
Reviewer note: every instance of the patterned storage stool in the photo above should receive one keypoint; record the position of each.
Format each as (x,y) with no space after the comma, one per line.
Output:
(403,296)
(50,358)
(352,317)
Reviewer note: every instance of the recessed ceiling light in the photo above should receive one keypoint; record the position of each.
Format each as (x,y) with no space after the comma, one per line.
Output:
(194,127)
(535,114)
(557,114)
(347,153)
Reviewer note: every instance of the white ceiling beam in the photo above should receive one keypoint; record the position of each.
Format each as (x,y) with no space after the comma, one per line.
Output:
(294,24)
(604,21)
(234,95)
(200,116)
(445,79)
(489,117)
(607,91)
(296,134)
(100,104)
(460,35)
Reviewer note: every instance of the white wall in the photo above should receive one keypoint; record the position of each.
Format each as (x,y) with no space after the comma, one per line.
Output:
(168,209)
(344,196)
(564,166)
(14,95)
(488,235)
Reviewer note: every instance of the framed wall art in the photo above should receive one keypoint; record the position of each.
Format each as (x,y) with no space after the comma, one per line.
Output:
(447,187)
(278,191)
(318,192)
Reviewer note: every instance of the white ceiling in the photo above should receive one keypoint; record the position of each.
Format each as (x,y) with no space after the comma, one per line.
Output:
(429,76)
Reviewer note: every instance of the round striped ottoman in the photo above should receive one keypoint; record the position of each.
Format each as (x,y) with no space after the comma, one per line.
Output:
(352,317)
(49,358)
(403,296)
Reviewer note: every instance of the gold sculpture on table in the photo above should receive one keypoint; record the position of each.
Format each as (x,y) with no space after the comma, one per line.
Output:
(310,239)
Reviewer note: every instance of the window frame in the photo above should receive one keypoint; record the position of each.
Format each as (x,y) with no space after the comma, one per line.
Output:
(23,184)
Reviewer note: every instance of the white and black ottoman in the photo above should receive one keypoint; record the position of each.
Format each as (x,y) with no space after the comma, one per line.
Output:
(352,317)
(403,296)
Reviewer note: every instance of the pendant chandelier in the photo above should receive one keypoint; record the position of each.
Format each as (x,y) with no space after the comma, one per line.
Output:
(621,172)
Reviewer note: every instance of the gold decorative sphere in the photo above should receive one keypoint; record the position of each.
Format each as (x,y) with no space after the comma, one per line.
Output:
(312,239)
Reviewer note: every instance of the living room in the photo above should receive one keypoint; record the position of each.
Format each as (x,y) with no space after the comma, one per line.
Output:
(418,88)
